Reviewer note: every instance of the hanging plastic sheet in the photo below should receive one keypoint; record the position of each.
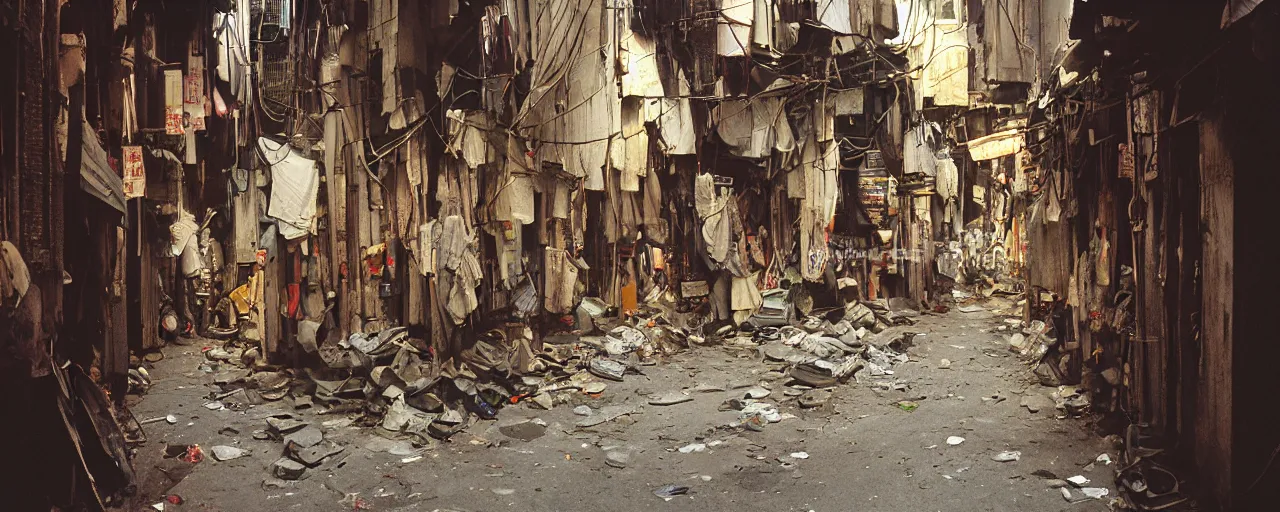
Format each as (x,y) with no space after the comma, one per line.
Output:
(716,225)
(468,138)
(733,31)
(754,128)
(635,145)
(817,209)
(572,104)
(948,182)
(640,59)
(561,278)
(514,201)
(295,183)
(675,125)
(762,23)
(917,152)
(458,268)
(834,14)
(845,102)
(655,226)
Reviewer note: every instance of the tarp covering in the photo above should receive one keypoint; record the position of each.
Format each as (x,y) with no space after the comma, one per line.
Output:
(295,183)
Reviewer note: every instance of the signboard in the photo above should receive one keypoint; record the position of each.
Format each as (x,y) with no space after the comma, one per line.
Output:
(173,103)
(874,189)
(135,175)
(193,101)
(1126,161)
(874,160)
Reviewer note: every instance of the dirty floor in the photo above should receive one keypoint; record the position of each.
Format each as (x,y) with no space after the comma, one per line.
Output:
(860,451)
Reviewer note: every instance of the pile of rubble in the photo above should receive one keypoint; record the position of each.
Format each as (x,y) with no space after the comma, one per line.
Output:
(397,383)
(825,349)
(1038,344)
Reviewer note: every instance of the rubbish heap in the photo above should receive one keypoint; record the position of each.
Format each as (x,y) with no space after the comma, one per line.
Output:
(396,382)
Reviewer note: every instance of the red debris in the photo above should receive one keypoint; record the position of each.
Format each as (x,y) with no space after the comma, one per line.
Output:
(194,454)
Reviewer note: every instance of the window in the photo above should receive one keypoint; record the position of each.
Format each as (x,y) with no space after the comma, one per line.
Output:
(946,11)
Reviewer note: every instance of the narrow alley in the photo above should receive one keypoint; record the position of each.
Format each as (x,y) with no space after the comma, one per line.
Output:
(474,255)
(959,405)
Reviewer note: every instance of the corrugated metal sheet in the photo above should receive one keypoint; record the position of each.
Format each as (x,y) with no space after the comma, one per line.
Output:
(96,176)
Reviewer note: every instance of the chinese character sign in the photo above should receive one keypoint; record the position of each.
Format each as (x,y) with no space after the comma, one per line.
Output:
(194,101)
(173,102)
(135,175)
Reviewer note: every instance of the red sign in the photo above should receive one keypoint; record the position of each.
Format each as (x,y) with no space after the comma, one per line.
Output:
(135,175)
(173,102)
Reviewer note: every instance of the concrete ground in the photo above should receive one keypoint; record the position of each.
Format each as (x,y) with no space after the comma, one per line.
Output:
(864,452)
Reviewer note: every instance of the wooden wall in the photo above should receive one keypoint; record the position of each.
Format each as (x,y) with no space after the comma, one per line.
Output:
(1213,449)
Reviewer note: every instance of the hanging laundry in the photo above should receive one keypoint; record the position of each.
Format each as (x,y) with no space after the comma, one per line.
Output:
(295,183)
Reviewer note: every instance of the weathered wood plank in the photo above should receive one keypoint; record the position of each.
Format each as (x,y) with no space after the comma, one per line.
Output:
(1214,435)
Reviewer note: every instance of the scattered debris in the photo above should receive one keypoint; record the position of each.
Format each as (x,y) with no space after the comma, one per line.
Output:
(617,458)
(993,399)
(1071,400)
(606,414)
(304,438)
(671,398)
(224,453)
(693,448)
(1036,402)
(955,440)
(1096,493)
(814,398)
(170,419)
(667,492)
(1084,493)
(800,455)
(1078,480)
(711,388)
(1044,473)
(524,431)
(288,469)
(1007,456)
(608,369)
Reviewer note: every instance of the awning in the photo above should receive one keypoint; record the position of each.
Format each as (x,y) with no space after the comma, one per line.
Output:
(996,145)
(96,176)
